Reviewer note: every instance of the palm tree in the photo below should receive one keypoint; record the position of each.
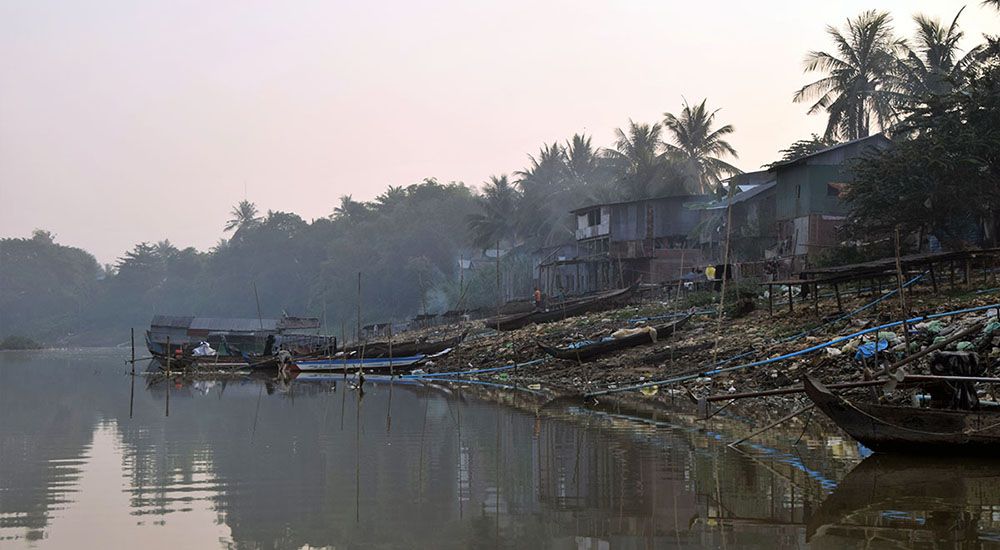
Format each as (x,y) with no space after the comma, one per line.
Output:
(935,67)
(497,220)
(587,171)
(350,209)
(861,82)
(698,147)
(544,188)
(243,215)
(639,163)
(392,196)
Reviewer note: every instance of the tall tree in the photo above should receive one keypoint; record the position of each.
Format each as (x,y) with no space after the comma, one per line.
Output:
(934,65)
(546,190)
(697,146)
(641,167)
(350,209)
(497,218)
(861,84)
(242,215)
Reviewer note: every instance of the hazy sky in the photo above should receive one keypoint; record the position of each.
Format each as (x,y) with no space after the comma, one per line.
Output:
(125,121)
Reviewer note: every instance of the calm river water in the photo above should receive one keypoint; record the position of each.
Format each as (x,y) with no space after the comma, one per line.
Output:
(90,459)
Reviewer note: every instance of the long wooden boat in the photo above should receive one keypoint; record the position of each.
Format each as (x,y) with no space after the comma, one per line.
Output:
(556,312)
(889,428)
(335,364)
(593,350)
(406,348)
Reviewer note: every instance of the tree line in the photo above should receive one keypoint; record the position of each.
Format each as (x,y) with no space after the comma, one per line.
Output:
(939,102)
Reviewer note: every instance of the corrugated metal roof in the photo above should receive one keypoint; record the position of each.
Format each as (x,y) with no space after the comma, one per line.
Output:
(233,325)
(880,138)
(743,196)
(175,321)
(689,198)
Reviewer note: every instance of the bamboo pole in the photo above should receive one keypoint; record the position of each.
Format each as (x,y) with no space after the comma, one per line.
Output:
(358,336)
(133,350)
(785,418)
(902,295)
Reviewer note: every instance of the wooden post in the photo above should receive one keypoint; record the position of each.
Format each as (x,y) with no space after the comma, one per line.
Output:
(933,278)
(836,290)
(770,300)
(391,371)
(790,307)
(815,298)
(902,295)
(133,350)
(169,353)
(498,285)
(358,336)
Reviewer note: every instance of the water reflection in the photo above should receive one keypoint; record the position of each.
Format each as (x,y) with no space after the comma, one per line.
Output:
(256,462)
(913,502)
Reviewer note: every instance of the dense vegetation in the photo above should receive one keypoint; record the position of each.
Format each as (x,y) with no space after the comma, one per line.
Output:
(940,102)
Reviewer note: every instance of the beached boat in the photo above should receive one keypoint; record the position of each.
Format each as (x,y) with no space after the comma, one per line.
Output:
(406,348)
(339,364)
(889,428)
(559,311)
(586,351)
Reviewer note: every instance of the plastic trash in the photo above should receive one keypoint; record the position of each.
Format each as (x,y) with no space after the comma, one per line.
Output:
(868,349)
(203,350)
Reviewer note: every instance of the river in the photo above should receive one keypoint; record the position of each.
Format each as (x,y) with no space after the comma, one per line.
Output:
(91,456)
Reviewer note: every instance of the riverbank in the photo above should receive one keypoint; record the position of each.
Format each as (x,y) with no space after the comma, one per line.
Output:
(756,352)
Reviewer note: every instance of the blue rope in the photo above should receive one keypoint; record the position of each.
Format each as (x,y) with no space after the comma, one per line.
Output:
(472,372)
(856,311)
(793,354)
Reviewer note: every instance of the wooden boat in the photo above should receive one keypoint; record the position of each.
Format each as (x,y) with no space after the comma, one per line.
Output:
(889,428)
(406,348)
(335,364)
(895,495)
(608,345)
(556,312)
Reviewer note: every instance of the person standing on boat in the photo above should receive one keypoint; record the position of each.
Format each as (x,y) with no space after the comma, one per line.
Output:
(538,298)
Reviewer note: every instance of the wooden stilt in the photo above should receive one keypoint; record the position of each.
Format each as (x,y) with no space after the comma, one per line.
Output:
(836,291)
(790,307)
(770,300)
(933,278)
(815,290)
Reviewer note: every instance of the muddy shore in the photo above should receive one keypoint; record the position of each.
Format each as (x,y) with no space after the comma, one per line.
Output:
(708,342)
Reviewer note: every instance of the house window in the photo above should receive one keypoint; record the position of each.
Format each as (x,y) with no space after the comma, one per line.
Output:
(594,217)
(798,191)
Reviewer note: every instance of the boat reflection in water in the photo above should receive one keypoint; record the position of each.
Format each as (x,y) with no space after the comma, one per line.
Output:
(260,462)
(904,501)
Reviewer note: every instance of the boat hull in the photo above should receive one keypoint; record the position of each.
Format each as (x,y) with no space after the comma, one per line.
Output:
(593,351)
(352,365)
(892,429)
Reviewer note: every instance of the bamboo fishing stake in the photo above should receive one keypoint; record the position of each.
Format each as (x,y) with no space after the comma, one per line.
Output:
(358,335)
(902,296)
(498,286)
(785,418)
(133,351)
(725,269)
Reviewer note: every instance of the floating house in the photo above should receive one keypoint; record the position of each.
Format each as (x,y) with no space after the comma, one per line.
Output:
(246,335)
